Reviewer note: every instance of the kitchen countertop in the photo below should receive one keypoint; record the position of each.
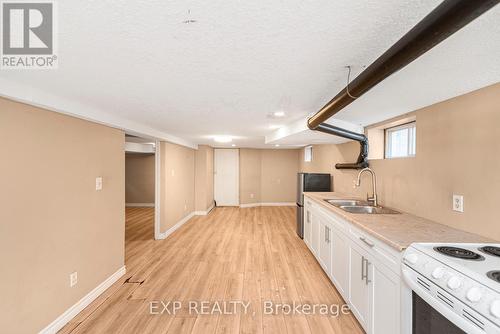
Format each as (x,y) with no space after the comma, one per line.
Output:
(397,230)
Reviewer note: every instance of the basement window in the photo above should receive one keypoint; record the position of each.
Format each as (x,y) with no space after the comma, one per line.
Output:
(400,141)
(308,153)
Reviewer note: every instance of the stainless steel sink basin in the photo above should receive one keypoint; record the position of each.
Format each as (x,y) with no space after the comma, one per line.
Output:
(367,209)
(358,206)
(346,202)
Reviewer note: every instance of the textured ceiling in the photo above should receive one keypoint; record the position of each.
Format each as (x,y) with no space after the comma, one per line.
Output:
(188,70)
(466,61)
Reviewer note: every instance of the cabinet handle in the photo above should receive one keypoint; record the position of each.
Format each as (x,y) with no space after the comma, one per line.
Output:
(369,243)
(363,276)
(327,234)
(367,280)
(308,216)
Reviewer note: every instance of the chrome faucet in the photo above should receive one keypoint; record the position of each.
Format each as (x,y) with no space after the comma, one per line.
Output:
(372,199)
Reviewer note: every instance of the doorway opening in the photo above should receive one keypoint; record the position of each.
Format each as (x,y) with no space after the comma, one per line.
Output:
(226,177)
(141,200)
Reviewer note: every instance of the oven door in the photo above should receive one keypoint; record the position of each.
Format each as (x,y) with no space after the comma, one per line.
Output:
(434,311)
(426,320)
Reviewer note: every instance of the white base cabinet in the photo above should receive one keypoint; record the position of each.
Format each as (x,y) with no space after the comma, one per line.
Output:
(360,288)
(386,303)
(325,245)
(364,270)
(308,223)
(340,262)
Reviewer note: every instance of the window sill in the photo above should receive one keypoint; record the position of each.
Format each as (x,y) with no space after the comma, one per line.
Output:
(396,158)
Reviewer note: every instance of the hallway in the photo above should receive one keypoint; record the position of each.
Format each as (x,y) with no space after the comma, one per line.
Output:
(232,254)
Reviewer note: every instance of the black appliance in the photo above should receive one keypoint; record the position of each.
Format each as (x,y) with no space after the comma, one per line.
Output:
(309,182)
(426,320)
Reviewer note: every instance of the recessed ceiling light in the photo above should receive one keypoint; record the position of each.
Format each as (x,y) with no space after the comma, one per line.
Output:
(277,145)
(279,114)
(233,145)
(274,127)
(223,139)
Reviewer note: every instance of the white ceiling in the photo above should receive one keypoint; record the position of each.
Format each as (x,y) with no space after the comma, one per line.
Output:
(298,134)
(137,65)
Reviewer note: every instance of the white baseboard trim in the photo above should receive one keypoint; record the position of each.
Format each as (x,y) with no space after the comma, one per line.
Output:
(204,213)
(70,313)
(184,220)
(280,204)
(252,205)
(140,205)
(181,222)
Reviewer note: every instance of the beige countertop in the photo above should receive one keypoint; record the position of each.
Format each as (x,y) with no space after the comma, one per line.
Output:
(398,230)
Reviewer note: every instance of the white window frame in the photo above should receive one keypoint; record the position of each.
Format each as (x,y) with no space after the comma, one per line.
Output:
(308,153)
(411,138)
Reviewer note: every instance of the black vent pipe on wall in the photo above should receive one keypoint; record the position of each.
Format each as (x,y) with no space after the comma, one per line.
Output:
(362,161)
(446,19)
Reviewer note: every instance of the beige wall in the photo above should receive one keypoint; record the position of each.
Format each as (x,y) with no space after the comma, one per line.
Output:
(279,175)
(139,178)
(270,175)
(250,175)
(53,222)
(204,178)
(177,183)
(210,177)
(457,153)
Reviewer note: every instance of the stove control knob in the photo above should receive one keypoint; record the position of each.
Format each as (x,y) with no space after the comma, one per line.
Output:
(411,258)
(474,295)
(495,309)
(454,283)
(438,273)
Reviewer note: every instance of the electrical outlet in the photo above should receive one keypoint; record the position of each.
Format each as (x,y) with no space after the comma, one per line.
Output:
(458,203)
(251,195)
(98,183)
(73,279)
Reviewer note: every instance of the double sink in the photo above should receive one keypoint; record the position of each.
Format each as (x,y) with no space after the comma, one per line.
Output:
(358,206)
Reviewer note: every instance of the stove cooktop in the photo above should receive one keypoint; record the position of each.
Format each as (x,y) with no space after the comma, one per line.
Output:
(460,253)
(494,275)
(491,250)
(478,261)
(460,278)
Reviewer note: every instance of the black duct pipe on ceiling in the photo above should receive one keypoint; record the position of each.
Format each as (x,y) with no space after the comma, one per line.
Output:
(446,19)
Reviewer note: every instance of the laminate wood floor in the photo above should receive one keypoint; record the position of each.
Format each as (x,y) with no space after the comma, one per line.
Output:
(232,254)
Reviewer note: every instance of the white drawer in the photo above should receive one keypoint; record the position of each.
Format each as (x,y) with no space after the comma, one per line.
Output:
(384,254)
(335,220)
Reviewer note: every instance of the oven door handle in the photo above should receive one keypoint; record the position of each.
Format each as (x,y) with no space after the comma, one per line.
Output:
(409,276)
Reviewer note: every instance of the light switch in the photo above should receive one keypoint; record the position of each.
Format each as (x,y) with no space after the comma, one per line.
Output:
(73,279)
(458,203)
(98,183)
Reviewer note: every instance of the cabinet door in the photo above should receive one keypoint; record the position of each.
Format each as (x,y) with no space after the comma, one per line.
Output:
(360,287)
(315,234)
(307,225)
(340,262)
(325,249)
(386,301)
